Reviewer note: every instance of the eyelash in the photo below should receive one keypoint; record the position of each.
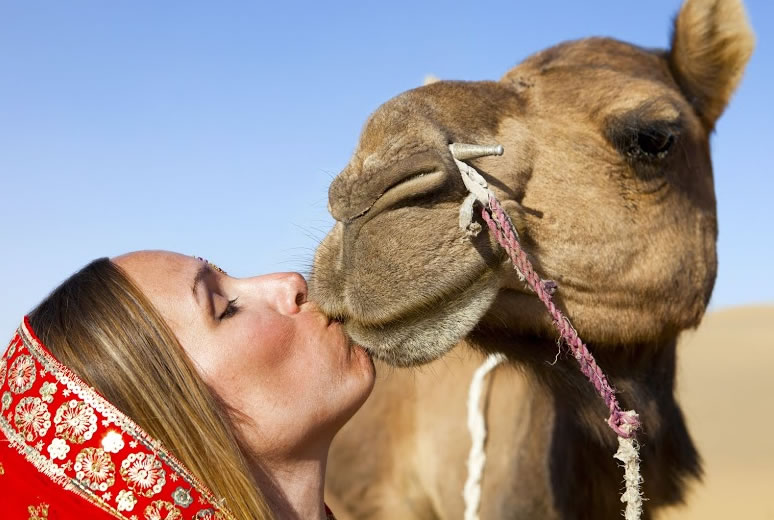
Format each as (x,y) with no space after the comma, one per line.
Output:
(231,309)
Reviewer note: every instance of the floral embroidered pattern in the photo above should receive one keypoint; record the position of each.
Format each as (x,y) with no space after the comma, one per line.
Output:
(58,449)
(162,510)
(71,434)
(125,500)
(143,474)
(75,421)
(38,512)
(11,349)
(47,391)
(94,468)
(32,418)
(22,374)
(182,497)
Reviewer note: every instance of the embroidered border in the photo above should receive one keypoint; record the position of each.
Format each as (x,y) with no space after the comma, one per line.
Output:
(95,470)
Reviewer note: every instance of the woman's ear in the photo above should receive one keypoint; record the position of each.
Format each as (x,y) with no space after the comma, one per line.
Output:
(711,44)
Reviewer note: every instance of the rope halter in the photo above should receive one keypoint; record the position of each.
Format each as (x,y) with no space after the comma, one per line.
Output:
(623,423)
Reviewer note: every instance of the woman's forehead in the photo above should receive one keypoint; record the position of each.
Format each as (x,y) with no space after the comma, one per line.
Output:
(160,274)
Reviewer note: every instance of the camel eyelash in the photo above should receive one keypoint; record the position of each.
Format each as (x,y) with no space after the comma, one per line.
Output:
(640,139)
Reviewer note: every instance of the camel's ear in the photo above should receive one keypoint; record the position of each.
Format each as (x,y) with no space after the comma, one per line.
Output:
(711,44)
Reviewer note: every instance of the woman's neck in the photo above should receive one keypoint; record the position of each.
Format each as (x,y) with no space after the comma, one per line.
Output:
(292,487)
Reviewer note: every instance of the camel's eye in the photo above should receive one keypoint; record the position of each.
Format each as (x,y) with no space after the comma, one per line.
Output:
(653,143)
(643,141)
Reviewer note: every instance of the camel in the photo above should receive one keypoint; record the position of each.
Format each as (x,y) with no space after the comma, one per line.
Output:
(608,178)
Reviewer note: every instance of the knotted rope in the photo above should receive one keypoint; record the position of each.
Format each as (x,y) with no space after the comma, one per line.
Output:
(623,423)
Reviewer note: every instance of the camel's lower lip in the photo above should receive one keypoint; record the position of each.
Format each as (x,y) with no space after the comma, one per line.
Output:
(408,340)
(434,305)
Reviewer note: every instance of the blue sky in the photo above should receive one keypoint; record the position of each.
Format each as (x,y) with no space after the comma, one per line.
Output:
(214,128)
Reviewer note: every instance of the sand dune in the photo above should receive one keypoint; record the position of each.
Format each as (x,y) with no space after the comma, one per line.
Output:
(726,387)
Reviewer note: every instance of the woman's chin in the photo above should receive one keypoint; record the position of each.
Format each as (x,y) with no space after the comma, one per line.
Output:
(362,356)
(356,380)
(363,378)
(356,353)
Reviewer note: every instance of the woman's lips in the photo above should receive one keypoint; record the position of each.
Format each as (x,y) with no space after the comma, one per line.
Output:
(335,322)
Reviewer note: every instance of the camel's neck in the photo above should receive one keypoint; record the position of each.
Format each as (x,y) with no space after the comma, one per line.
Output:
(584,477)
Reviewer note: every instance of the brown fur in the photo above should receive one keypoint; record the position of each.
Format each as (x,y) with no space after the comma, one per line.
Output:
(709,53)
(629,238)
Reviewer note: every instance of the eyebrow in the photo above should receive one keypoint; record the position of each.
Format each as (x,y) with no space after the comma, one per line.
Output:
(201,274)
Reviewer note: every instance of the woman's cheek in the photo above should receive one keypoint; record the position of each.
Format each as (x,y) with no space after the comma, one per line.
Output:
(266,343)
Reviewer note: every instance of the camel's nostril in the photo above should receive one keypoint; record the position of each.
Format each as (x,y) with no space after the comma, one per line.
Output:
(300,298)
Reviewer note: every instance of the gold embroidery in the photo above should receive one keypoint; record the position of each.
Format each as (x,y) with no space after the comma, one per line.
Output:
(182,497)
(11,350)
(162,510)
(72,383)
(32,418)
(2,469)
(47,391)
(21,375)
(58,449)
(47,467)
(126,500)
(143,474)
(38,513)
(75,422)
(3,370)
(37,459)
(95,469)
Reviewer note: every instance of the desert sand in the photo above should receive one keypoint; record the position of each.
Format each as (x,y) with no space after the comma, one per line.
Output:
(726,388)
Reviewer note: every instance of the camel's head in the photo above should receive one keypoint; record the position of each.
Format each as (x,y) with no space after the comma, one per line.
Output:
(606,174)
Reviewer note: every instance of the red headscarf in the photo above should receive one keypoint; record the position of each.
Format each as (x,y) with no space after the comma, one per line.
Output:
(66,453)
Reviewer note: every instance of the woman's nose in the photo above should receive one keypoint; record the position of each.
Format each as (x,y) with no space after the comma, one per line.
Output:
(290,292)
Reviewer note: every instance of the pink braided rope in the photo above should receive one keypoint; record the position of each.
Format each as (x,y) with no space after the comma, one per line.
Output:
(501,226)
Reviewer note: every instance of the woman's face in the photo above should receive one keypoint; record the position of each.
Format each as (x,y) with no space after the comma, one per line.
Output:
(262,347)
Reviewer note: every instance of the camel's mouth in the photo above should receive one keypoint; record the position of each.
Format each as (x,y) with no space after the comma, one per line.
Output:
(426,333)
(407,284)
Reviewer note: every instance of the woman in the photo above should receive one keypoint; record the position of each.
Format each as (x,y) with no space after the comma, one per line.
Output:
(156,386)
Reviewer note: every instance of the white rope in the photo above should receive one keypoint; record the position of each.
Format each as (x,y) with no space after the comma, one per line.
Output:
(477,427)
(629,455)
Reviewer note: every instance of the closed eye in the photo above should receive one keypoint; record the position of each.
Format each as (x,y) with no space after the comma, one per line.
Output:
(644,141)
(231,309)
(647,133)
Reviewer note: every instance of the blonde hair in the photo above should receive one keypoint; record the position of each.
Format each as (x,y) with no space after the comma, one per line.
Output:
(103,327)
